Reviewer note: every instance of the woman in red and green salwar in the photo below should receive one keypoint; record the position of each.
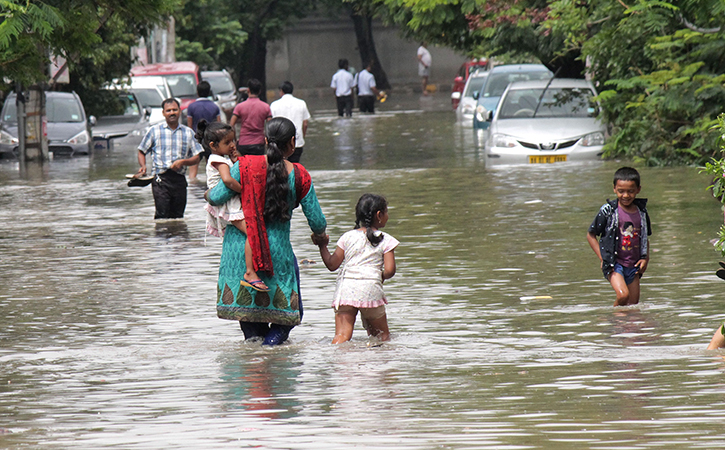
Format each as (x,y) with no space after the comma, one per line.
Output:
(271,188)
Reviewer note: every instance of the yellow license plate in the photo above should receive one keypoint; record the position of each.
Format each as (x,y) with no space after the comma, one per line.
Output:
(546,159)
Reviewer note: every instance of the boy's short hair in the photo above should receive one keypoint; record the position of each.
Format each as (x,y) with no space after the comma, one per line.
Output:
(255,86)
(342,63)
(626,174)
(203,89)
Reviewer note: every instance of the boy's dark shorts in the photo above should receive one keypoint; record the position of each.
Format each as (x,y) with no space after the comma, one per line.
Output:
(629,273)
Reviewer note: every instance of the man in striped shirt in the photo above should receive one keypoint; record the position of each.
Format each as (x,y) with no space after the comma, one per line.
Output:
(167,143)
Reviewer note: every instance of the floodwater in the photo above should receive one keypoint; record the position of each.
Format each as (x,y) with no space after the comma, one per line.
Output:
(503,330)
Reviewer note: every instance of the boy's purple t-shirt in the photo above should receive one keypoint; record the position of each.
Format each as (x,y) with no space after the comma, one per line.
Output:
(630,229)
(202,108)
(252,115)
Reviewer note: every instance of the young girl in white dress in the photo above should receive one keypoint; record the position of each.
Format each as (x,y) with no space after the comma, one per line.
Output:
(367,256)
(218,138)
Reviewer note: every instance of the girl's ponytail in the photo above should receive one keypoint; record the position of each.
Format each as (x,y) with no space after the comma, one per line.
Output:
(366,210)
(279,131)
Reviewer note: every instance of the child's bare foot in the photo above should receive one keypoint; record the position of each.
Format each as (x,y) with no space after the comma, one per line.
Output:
(251,279)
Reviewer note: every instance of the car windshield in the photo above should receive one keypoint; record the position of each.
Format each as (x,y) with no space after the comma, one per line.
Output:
(182,84)
(115,103)
(220,84)
(474,85)
(557,102)
(148,97)
(65,109)
(497,82)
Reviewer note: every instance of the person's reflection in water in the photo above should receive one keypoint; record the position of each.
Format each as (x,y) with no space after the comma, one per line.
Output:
(262,385)
(172,229)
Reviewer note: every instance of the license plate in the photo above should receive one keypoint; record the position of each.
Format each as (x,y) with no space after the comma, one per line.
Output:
(100,144)
(546,159)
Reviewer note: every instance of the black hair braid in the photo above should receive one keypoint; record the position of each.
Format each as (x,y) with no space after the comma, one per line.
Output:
(365,211)
(278,131)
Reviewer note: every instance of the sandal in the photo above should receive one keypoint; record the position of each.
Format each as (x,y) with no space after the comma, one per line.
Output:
(257,285)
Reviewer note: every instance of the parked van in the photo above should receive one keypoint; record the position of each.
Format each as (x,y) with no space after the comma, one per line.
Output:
(182,77)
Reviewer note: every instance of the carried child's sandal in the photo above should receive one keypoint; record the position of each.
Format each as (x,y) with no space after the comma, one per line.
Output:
(257,285)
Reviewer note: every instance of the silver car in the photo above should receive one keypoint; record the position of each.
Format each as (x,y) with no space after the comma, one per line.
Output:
(467,105)
(68,127)
(545,122)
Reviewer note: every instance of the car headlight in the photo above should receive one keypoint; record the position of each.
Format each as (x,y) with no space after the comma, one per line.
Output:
(592,139)
(7,139)
(502,140)
(480,113)
(228,105)
(80,138)
(467,109)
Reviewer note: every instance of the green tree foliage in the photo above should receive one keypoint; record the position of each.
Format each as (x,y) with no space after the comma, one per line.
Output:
(94,36)
(202,37)
(208,33)
(716,168)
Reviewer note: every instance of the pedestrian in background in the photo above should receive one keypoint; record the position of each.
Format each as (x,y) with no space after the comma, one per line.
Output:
(342,83)
(168,142)
(367,91)
(203,108)
(424,62)
(252,114)
(294,109)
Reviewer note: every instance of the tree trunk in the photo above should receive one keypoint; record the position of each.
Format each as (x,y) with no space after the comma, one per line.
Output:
(366,46)
(253,63)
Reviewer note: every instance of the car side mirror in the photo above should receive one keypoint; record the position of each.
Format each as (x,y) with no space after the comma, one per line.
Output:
(489,116)
(147,112)
(92,120)
(476,94)
(456,95)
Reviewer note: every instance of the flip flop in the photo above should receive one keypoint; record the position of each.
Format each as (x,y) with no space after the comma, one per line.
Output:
(722,264)
(720,273)
(253,285)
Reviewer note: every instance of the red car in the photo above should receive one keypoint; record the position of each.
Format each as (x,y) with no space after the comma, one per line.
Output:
(460,81)
(182,77)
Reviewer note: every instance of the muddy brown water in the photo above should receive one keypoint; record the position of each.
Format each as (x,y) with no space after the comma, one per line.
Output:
(503,333)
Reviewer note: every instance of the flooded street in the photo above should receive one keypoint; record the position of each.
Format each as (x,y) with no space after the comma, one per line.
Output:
(503,330)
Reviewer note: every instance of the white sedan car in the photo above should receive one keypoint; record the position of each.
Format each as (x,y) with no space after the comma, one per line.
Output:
(467,105)
(545,122)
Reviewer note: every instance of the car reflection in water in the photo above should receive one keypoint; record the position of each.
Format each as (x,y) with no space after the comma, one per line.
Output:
(545,122)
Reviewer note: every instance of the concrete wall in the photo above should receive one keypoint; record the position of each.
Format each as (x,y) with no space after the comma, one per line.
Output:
(307,55)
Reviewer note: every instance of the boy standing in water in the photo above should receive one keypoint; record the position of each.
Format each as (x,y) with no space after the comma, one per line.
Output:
(623,225)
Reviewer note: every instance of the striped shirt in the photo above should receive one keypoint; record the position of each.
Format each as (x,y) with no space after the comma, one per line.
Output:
(167,145)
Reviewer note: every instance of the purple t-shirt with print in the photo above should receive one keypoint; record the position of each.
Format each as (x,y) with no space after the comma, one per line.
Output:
(630,229)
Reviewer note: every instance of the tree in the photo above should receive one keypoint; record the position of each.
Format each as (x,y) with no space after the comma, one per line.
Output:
(208,33)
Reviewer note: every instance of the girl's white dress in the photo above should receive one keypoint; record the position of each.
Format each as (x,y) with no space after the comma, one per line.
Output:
(218,217)
(360,280)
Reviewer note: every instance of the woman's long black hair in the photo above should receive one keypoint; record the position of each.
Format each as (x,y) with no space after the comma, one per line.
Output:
(210,132)
(365,212)
(279,132)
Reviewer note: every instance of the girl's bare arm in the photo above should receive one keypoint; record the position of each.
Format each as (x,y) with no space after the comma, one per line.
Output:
(388,264)
(230,182)
(332,261)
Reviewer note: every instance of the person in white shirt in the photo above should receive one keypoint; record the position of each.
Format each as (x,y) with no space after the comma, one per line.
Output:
(342,83)
(424,62)
(294,109)
(367,91)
